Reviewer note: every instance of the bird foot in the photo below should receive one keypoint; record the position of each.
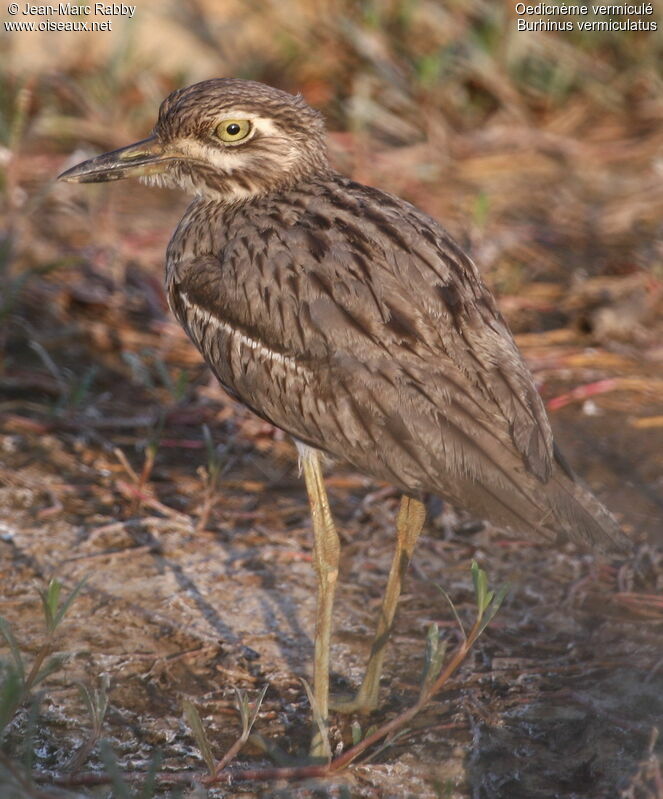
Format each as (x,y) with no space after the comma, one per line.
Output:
(361,703)
(319,749)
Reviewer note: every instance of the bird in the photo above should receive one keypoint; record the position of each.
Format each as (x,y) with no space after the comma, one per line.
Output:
(352,320)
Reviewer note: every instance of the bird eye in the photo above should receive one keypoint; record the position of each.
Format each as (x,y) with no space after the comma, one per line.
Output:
(231,130)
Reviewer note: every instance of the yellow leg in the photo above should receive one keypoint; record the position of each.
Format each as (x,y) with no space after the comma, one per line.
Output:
(411,517)
(326,552)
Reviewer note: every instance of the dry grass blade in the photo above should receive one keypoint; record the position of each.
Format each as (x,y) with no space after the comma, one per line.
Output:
(454,611)
(198,730)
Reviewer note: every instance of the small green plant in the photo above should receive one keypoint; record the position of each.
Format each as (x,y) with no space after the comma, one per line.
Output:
(96,703)
(248,716)
(18,777)
(15,688)
(73,390)
(217,464)
(198,730)
(19,682)
(80,387)
(435,675)
(148,369)
(178,386)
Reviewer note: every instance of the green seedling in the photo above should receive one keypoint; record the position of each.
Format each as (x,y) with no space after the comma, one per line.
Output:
(217,464)
(79,389)
(488,602)
(140,370)
(436,672)
(177,387)
(17,674)
(248,717)
(11,693)
(433,657)
(72,390)
(96,703)
(17,684)
(200,736)
(50,599)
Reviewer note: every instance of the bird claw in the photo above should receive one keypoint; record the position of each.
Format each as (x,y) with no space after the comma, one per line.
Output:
(359,703)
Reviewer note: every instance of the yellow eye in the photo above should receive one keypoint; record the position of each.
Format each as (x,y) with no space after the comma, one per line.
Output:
(231,130)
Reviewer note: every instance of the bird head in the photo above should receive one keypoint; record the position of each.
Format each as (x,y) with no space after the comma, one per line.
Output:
(228,139)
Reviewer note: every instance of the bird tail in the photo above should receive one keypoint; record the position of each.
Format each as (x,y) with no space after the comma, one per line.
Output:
(582,518)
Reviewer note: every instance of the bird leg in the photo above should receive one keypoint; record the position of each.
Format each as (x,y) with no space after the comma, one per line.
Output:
(326,552)
(411,517)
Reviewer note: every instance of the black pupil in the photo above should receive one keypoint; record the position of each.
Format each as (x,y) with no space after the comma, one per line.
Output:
(233,130)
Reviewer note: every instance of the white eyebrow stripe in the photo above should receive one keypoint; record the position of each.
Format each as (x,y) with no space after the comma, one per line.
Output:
(208,317)
(232,158)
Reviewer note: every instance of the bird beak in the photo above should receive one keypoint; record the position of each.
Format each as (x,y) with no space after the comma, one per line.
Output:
(146,157)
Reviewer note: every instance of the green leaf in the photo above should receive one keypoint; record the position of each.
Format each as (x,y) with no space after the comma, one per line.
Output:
(11,695)
(30,733)
(68,602)
(156,434)
(87,697)
(256,710)
(480,580)
(214,456)
(49,601)
(434,656)
(8,634)
(248,717)
(475,575)
(355,730)
(196,725)
(243,707)
(453,610)
(494,606)
(95,701)
(209,444)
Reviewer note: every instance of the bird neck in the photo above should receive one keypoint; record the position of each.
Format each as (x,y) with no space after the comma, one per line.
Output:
(227,191)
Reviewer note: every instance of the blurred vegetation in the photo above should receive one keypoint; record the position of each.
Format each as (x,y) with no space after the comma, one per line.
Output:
(541,152)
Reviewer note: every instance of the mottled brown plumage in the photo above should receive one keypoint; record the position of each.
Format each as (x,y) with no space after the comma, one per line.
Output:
(352,320)
(348,317)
